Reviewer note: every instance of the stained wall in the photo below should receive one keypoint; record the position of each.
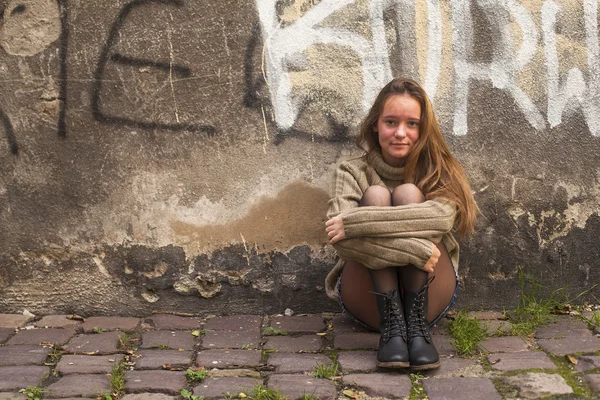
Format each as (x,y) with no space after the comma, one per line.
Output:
(177,155)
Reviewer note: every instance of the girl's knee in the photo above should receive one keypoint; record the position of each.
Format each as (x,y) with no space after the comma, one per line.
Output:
(376,196)
(407,193)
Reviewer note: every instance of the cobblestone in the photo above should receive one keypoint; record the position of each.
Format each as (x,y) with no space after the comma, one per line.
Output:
(310,343)
(381,385)
(173,322)
(213,388)
(521,360)
(295,386)
(110,324)
(356,340)
(98,343)
(520,369)
(537,385)
(168,382)
(504,344)
(19,377)
(56,336)
(170,339)
(157,359)
(234,323)
(13,321)
(231,340)
(298,324)
(79,386)
(57,321)
(460,389)
(80,364)
(22,355)
(229,358)
(286,363)
(5,333)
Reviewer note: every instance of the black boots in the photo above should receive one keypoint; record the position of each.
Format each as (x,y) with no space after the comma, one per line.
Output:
(423,354)
(392,352)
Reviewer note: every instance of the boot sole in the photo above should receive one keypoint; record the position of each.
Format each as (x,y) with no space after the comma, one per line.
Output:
(425,366)
(393,364)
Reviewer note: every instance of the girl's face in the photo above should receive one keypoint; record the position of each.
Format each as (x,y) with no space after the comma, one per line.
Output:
(398,128)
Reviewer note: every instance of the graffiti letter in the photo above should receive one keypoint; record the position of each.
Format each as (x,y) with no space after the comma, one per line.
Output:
(503,69)
(574,88)
(106,56)
(282,44)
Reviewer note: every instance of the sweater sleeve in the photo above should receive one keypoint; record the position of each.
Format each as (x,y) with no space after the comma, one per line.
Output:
(377,253)
(346,191)
(430,219)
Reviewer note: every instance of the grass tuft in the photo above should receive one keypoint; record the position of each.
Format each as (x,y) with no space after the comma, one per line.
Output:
(187,395)
(261,392)
(326,370)
(466,333)
(534,310)
(274,332)
(117,378)
(33,392)
(196,375)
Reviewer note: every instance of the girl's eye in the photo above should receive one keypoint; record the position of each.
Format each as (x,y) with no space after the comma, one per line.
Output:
(413,123)
(390,122)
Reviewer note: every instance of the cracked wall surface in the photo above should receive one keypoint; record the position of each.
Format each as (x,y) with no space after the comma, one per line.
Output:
(161,155)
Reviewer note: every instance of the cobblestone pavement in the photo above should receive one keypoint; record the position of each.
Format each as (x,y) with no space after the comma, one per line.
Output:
(72,358)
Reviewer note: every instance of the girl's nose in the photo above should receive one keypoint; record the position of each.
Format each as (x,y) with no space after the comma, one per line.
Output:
(400,132)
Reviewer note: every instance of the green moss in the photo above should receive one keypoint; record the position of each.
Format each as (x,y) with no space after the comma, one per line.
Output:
(573,378)
(417,391)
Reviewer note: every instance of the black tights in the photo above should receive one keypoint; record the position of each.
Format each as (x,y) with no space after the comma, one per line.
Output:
(358,281)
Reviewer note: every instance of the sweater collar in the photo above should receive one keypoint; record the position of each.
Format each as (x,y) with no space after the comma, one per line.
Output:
(375,159)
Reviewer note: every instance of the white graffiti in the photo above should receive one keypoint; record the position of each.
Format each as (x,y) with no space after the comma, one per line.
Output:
(564,95)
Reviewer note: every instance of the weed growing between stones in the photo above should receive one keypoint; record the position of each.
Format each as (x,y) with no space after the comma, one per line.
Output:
(308,396)
(247,346)
(186,394)
(326,371)
(466,333)
(595,318)
(417,391)
(195,376)
(274,332)
(127,343)
(98,330)
(261,392)
(117,379)
(33,392)
(162,347)
(200,332)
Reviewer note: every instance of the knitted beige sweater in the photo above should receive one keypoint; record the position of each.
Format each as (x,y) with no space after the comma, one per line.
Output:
(380,237)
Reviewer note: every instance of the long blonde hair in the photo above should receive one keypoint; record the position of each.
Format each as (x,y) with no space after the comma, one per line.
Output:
(429,165)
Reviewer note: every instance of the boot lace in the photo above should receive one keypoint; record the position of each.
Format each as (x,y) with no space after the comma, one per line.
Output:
(394,320)
(417,322)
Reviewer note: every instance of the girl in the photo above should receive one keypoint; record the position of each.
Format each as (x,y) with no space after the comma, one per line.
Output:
(390,221)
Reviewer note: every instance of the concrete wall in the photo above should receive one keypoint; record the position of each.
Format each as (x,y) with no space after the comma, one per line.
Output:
(176,155)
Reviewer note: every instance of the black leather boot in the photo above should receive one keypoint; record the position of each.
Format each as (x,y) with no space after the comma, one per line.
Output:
(392,351)
(423,354)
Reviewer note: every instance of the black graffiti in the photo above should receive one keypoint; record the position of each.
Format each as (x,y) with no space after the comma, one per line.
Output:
(138,62)
(338,132)
(10,133)
(63,72)
(106,56)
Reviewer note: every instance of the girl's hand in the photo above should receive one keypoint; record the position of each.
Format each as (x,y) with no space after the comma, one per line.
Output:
(432,262)
(335,229)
